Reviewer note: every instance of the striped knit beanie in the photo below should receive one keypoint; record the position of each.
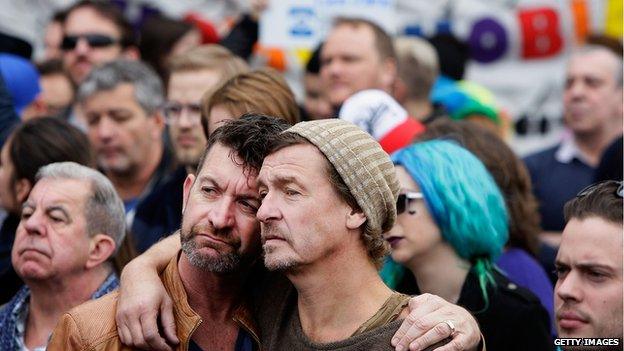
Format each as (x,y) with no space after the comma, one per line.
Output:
(363,165)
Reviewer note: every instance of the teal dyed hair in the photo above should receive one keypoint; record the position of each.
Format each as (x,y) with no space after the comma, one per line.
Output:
(464,201)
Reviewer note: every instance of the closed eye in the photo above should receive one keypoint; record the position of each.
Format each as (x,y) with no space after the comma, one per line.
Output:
(208,190)
(291,192)
(248,206)
(26,214)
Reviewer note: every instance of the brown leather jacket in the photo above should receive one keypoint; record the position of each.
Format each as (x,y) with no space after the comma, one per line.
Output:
(91,326)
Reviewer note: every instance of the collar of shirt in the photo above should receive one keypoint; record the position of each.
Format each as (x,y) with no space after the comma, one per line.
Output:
(568,150)
(19,315)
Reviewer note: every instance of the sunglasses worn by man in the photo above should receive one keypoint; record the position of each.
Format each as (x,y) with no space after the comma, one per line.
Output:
(94,40)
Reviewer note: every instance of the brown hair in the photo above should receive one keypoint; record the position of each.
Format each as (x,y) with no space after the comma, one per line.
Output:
(211,56)
(261,91)
(383,41)
(376,246)
(42,141)
(506,168)
(600,200)
(249,137)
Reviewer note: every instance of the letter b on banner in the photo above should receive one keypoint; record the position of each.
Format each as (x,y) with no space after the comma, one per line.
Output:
(540,33)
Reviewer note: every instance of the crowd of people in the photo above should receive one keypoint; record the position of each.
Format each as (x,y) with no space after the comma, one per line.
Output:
(153,169)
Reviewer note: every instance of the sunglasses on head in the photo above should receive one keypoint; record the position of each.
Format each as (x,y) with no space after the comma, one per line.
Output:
(94,40)
(591,188)
(404,200)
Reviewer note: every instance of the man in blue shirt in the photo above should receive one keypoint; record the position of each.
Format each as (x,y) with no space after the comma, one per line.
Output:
(593,115)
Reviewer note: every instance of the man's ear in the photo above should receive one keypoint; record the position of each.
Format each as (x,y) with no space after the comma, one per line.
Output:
(159,124)
(389,72)
(399,90)
(188,184)
(22,189)
(101,248)
(355,219)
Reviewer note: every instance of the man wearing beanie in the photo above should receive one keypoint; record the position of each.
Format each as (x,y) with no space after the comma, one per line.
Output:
(327,192)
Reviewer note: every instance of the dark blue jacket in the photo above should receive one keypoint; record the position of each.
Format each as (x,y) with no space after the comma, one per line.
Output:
(159,213)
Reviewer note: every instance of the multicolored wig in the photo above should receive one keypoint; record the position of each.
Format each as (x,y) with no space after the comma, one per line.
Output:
(464,201)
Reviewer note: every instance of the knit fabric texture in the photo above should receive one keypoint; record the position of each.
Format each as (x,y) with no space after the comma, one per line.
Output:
(363,165)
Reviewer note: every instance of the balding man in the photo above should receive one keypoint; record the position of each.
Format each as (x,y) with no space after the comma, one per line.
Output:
(357,55)
(593,114)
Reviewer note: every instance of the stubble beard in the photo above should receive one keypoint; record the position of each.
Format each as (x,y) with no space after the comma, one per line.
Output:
(223,263)
(284,264)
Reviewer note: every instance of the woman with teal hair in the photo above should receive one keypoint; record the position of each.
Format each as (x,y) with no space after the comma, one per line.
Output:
(451,227)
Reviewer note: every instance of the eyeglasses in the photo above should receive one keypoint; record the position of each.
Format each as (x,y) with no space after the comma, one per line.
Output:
(94,40)
(591,188)
(404,200)
(173,112)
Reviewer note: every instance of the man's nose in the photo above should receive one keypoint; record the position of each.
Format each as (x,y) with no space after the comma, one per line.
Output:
(105,128)
(34,224)
(82,46)
(187,119)
(221,215)
(268,210)
(569,286)
(333,67)
(576,89)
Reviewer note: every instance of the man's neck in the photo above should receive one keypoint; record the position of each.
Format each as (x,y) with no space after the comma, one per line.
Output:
(418,109)
(592,145)
(333,309)
(213,296)
(426,269)
(132,185)
(46,308)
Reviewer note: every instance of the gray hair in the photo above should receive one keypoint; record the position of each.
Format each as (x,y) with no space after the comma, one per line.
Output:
(148,88)
(589,48)
(104,211)
(418,65)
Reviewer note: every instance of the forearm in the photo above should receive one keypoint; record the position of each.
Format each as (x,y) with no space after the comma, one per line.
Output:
(143,302)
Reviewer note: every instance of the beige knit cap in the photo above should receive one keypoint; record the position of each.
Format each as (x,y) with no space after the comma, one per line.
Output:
(363,165)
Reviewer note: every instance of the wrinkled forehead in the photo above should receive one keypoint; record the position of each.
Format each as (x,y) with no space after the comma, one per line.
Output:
(224,165)
(300,160)
(592,240)
(57,191)
(596,63)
